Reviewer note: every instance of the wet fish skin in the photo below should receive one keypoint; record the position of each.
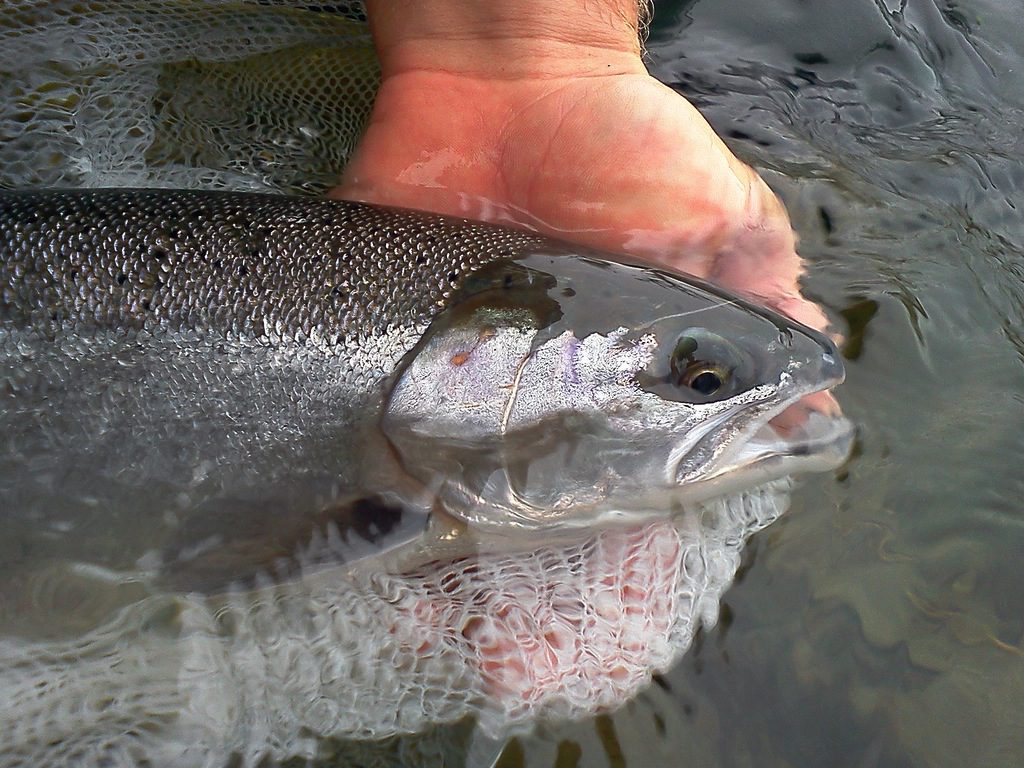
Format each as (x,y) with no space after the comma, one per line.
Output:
(215,349)
(188,354)
(213,261)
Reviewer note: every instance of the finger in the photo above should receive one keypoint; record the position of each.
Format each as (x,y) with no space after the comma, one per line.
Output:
(794,417)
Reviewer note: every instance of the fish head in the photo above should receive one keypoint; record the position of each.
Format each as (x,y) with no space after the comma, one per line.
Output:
(565,390)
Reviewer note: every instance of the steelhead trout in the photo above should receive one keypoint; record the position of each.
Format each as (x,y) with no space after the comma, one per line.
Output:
(200,390)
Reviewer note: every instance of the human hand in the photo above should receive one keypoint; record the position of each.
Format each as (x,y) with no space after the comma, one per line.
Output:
(559,128)
(618,162)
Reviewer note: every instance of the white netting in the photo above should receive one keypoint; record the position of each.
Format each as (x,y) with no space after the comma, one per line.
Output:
(217,94)
(559,632)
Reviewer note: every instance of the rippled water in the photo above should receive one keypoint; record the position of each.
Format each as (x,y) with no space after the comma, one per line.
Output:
(881,623)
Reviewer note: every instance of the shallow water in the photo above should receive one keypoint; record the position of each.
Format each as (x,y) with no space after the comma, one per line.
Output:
(880,623)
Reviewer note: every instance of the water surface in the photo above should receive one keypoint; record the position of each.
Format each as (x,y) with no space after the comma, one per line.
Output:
(881,622)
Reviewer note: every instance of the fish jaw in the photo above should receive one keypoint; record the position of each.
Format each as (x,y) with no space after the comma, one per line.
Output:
(752,448)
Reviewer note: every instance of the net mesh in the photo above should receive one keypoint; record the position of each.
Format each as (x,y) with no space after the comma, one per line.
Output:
(561,631)
(262,96)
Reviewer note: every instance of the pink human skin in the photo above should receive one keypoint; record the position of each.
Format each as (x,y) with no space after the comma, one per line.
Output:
(557,641)
(610,638)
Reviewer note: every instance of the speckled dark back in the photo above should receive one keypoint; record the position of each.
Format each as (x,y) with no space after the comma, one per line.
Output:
(241,263)
(174,356)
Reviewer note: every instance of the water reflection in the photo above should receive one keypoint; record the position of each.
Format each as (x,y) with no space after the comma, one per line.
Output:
(883,622)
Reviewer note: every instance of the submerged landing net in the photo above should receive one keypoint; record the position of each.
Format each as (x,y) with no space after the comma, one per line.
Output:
(559,632)
(214,94)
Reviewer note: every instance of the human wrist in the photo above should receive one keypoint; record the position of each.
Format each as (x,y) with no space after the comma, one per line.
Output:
(507,39)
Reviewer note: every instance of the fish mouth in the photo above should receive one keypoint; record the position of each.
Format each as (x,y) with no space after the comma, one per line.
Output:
(792,436)
(819,443)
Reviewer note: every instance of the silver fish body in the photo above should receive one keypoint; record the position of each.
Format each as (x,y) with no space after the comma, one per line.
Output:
(234,364)
(213,359)
(214,406)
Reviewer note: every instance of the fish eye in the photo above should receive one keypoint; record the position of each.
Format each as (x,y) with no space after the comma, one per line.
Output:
(705,378)
(691,367)
(701,366)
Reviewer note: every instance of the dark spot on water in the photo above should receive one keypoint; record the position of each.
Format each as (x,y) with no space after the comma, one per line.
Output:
(569,754)
(856,451)
(811,58)
(747,560)
(512,756)
(453,277)
(605,727)
(857,315)
(421,259)
(659,724)
(243,270)
(122,278)
(725,617)
(741,135)
(157,252)
(826,220)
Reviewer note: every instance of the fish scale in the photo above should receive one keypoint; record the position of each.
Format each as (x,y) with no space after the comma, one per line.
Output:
(245,264)
(219,350)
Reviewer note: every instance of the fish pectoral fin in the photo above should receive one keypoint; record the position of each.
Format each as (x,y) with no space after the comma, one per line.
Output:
(242,545)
